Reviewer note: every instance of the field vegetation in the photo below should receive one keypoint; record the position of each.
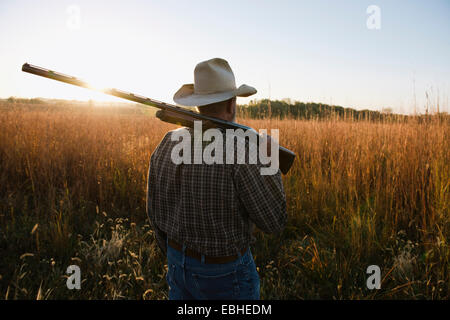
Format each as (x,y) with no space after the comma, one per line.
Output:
(360,193)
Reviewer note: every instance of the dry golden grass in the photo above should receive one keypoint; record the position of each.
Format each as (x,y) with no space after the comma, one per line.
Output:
(73,192)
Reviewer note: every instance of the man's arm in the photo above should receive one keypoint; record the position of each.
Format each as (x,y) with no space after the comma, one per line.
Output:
(161,237)
(262,196)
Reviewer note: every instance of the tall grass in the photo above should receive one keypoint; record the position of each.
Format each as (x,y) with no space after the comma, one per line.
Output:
(72,191)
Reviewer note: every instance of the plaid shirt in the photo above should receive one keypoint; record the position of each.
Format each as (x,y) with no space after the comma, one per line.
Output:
(211,208)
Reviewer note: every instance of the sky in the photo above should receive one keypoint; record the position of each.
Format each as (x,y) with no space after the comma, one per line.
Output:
(310,51)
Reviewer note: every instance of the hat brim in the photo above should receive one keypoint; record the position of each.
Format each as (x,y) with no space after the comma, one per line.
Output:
(185,96)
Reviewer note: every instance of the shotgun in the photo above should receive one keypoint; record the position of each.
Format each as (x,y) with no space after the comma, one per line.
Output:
(168,112)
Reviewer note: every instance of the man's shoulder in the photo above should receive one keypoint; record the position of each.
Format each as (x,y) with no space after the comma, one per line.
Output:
(168,136)
(167,140)
(175,131)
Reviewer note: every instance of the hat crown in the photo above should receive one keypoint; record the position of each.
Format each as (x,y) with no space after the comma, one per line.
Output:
(213,82)
(212,76)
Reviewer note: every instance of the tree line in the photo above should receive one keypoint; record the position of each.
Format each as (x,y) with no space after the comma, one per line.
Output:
(287,109)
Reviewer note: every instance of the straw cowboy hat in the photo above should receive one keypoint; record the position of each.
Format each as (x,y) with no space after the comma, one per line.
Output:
(213,82)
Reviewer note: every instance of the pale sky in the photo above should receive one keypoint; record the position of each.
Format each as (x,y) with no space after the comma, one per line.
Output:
(319,51)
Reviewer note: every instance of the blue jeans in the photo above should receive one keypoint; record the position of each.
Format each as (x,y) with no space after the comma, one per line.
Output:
(191,279)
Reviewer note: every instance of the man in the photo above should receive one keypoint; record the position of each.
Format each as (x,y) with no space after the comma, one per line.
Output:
(203,214)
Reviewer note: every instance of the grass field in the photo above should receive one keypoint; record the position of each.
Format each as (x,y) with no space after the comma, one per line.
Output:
(72,191)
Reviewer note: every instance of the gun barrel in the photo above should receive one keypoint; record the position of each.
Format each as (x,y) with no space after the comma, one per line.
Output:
(50,74)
